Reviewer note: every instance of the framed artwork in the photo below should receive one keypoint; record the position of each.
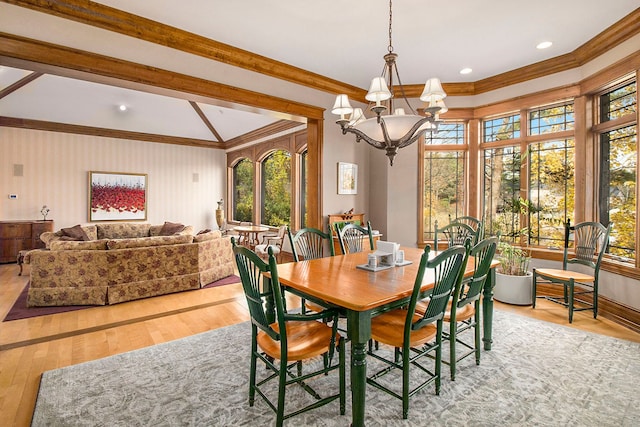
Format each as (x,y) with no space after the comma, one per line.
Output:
(117,196)
(347,178)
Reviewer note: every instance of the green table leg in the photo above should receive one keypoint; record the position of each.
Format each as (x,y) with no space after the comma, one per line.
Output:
(359,331)
(487,309)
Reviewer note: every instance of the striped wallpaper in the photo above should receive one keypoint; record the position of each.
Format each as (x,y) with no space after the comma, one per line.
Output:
(184,183)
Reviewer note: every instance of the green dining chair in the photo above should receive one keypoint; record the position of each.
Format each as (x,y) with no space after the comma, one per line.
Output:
(416,337)
(452,234)
(587,248)
(352,237)
(476,224)
(310,243)
(285,343)
(463,312)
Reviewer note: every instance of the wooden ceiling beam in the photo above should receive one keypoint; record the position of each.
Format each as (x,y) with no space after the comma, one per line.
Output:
(103,132)
(206,121)
(89,66)
(118,21)
(20,83)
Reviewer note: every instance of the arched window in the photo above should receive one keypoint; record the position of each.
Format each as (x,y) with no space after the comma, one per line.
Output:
(243,190)
(276,189)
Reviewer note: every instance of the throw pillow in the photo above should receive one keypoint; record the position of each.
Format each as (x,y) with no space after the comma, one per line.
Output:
(76,232)
(206,230)
(170,228)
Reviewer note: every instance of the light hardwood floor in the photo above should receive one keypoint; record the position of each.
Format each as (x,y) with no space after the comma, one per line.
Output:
(31,346)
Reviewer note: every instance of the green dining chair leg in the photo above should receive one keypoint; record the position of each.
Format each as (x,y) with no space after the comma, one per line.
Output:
(571,289)
(453,336)
(343,376)
(281,394)
(405,385)
(252,373)
(477,331)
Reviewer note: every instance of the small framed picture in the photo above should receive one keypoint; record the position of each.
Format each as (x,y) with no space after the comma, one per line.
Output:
(117,196)
(347,178)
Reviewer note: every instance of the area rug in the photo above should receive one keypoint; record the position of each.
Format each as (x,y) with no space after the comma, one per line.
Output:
(537,374)
(21,311)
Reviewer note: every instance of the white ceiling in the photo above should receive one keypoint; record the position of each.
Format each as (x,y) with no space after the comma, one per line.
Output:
(341,40)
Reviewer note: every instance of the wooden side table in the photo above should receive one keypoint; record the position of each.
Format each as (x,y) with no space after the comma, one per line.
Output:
(16,236)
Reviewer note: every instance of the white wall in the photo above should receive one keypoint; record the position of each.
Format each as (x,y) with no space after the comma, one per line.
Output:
(56,166)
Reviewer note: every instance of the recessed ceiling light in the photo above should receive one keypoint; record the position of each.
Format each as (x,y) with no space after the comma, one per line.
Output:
(543,45)
(122,107)
(466,71)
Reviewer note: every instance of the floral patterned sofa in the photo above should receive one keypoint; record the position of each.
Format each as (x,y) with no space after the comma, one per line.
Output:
(119,262)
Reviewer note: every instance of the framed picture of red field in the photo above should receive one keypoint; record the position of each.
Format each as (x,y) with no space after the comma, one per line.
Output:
(115,196)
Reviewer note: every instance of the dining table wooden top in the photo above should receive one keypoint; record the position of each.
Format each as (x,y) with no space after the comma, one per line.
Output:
(338,281)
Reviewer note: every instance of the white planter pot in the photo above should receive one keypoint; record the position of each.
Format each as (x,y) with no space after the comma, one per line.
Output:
(513,289)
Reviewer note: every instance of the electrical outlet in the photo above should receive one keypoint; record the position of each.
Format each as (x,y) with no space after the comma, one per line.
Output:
(13,196)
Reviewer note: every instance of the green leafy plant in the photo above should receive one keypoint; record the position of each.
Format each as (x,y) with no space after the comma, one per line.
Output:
(514,261)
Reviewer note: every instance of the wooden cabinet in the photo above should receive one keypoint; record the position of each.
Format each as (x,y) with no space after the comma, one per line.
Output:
(345,219)
(16,236)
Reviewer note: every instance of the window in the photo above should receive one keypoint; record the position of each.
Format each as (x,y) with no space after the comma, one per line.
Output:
(444,178)
(551,119)
(243,190)
(303,189)
(551,175)
(618,168)
(276,189)
(551,191)
(501,187)
(501,128)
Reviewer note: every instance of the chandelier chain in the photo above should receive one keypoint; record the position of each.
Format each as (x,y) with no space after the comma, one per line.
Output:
(390,48)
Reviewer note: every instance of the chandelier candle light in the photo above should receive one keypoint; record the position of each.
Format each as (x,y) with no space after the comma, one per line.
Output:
(396,129)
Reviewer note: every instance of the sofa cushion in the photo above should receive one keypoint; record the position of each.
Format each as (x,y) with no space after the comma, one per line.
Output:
(123,230)
(70,245)
(142,242)
(76,233)
(210,235)
(171,228)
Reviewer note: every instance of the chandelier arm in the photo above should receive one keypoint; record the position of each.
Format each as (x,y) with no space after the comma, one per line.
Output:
(361,135)
(412,136)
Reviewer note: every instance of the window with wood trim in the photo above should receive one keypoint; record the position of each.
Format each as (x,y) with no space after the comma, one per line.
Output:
(303,189)
(276,189)
(444,177)
(501,128)
(243,190)
(551,165)
(618,169)
(501,188)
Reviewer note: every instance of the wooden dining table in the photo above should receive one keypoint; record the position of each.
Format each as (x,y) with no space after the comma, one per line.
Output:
(250,233)
(361,295)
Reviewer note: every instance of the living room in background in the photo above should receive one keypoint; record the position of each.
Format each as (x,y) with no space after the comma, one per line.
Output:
(117,196)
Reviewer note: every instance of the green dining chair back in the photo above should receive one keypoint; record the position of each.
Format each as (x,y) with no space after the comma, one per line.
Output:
(283,340)
(464,310)
(310,243)
(417,338)
(452,234)
(579,288)
(354,238)
(476,224)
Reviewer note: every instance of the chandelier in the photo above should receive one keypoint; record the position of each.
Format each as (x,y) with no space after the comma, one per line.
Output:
(396,129)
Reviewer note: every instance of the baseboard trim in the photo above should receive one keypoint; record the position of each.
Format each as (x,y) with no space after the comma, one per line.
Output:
(609,309)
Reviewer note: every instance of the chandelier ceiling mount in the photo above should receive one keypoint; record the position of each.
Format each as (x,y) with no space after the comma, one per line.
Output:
(396,129)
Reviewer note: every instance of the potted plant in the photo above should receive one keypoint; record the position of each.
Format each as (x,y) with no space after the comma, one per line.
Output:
(513,278)
(514,281)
